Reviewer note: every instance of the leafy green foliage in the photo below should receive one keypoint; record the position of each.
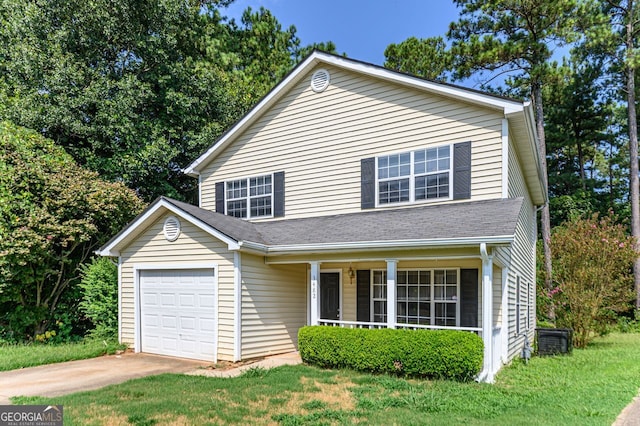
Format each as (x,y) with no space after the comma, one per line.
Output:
(417,353)
(99,302)
(136,90)
(592,261)
(53,215)
(428,57)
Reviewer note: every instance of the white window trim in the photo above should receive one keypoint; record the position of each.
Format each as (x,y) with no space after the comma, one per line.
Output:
(412,177)
(432,300)
(249,197)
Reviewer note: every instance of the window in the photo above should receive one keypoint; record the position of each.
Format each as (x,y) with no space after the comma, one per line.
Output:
(249,198)
(427,297)
(424,174)
(379,283)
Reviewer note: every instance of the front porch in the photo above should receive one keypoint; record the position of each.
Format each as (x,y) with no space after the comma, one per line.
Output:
(460,292)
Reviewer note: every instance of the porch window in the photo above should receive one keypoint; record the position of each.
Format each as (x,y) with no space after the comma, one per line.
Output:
(419,175)
(379,298)
(250,198)
(427,297)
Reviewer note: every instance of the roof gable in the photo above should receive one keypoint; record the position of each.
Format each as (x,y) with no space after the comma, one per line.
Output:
(516,112)
(153,213)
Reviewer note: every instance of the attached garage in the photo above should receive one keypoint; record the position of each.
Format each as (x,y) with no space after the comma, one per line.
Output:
(178,312)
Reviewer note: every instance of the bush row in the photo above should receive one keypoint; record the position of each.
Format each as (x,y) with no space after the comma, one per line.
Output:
(446,354)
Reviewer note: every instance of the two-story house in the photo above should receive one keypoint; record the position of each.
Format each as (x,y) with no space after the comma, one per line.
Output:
(350,195)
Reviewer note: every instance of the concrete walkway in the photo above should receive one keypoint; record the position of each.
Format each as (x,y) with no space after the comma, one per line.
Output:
(291,358)
(630,416)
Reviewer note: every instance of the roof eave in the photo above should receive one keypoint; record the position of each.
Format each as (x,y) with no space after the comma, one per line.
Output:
(338,247)
(153,212)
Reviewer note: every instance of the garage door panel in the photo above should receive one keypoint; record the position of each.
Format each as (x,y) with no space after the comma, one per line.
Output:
(178,313)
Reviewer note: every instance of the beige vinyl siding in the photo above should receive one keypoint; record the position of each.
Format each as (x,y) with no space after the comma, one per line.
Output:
(274,306)
(522,259)
(318,139)
(193,246)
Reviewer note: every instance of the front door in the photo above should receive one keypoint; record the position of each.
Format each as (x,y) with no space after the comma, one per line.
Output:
(330,295)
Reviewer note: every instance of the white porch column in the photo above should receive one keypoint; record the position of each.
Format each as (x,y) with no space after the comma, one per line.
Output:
(237,306)
(487,314)
(392,266)
(314,293)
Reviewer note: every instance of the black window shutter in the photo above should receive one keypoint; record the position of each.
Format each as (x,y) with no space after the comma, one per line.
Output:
(363,295)
(278,194)
(468,297)
(220,197)
(368,183)
(462,170)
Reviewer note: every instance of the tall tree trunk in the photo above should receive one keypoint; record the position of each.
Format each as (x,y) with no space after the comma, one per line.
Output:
(633,146)
(545,217)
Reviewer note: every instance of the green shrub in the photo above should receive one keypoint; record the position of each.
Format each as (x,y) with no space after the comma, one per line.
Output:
(99,303)
(446,354)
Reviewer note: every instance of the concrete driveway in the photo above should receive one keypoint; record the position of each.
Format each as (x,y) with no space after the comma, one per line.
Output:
(75,376)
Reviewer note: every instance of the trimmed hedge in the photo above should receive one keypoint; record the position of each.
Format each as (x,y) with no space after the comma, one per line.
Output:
(447,354)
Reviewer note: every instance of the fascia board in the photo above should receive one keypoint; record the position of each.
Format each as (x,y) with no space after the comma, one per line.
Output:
(249,118)
(113,247)
(508,106)
(372,245)
(485,100)
(529,148)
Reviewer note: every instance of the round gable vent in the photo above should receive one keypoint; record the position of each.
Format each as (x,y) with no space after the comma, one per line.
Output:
(320,80)
(171,228)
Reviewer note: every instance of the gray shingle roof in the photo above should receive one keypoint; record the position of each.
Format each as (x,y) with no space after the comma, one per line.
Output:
(472,220)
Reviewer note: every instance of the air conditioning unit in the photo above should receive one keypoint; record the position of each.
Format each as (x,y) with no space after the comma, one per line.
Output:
(552,341)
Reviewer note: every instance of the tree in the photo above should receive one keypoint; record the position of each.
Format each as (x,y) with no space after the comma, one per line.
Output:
(578,131)
(136,90)
(427,57)
(53,216)
(514,36)
(99,285)
(592,261)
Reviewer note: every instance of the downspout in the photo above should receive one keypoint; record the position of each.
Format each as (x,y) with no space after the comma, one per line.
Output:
(486,375)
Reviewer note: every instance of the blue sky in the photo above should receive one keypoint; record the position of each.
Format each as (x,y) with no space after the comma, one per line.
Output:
(360,28)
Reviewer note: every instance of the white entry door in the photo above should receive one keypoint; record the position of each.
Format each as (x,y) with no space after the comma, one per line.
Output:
(178,313)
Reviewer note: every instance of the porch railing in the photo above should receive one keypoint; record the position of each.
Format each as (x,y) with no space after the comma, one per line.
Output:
(365,324)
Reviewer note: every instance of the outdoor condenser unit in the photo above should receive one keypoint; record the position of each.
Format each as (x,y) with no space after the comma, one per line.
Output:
(553,341)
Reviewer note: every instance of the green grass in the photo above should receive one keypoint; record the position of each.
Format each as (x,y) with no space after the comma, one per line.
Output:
(21,356)
(589,387)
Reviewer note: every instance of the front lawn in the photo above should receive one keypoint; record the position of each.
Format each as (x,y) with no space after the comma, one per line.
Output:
(590,387)
(21,356)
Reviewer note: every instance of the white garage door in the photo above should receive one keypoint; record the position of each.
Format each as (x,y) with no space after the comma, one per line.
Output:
(178,313)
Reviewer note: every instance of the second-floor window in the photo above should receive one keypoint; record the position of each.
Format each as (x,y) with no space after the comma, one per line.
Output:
(424,174)
(249,198)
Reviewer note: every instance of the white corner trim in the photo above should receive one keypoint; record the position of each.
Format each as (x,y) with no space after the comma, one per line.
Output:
(505,158)
(237,306)
(119,299)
